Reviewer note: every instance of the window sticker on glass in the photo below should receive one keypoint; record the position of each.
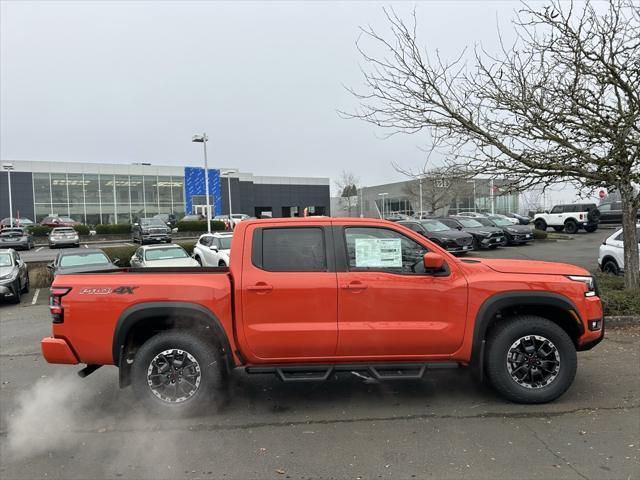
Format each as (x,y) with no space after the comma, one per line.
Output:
(378,253)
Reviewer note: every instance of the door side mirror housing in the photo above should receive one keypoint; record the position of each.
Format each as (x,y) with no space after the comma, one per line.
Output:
(50,266)
(433,261)
(116,261)
(213,248)
(546,211)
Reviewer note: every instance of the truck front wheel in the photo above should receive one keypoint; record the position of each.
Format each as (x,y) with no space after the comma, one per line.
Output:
(177,371)
(530,359)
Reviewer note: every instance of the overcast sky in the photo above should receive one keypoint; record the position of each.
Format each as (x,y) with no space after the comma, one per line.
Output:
(121,82)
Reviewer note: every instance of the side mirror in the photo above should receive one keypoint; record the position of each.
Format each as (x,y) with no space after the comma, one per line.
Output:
(115,261)
(214,248)
(433,261)
(50,266)
(459,228)
(546,211)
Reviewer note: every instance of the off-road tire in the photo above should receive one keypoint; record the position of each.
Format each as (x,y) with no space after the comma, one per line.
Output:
(571,227)
(540,224)
(206,353)
(593,215)
(611,266)
(558,229)
(591,228)
(500,340)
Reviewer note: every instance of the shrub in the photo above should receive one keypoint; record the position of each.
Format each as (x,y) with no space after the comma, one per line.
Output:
(540,235)
(118,228)
(40,230)
(200,226)
(81,229)
(615,299)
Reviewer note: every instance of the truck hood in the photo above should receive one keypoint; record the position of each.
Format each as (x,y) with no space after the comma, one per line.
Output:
(530,267)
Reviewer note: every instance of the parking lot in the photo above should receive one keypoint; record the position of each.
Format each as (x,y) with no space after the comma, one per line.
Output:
(445,426)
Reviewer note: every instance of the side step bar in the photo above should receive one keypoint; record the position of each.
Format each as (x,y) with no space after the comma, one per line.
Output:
(378,371)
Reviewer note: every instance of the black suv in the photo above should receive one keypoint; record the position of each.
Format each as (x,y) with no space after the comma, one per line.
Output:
(452,241)
(611,212)
(483,237)
(149,230)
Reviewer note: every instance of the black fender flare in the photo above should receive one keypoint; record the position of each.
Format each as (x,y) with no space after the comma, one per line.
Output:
(143,311)
(505,300)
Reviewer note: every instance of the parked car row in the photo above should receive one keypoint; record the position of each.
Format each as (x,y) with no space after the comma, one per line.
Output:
(466,232)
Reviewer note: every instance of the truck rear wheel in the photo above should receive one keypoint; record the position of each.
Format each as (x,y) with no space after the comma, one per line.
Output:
(177,371)
(571,227)
(530,359)
(540,224)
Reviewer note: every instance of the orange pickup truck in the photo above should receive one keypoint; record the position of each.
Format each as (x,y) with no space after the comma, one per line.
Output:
(305,299)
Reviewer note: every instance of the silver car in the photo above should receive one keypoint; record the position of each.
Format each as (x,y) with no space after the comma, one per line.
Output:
(14,277)
(63,237)
(162,256)
(16,238)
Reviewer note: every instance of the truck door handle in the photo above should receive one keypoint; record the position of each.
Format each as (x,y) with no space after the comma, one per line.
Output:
(355,286)
(260,287)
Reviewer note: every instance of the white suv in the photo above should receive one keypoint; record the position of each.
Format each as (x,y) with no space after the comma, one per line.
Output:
(213,249)
(611,256)
(569,218)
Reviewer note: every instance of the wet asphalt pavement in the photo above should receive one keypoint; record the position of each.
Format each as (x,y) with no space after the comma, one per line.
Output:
(57,426)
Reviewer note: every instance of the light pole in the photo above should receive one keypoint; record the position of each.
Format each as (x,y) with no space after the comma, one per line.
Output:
(227,173)
(474,192)
(203,139)
(8,167)
(420,214)
(383,195)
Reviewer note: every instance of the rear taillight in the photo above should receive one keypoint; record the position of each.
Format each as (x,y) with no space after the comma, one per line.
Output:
(581,216)
(55,303)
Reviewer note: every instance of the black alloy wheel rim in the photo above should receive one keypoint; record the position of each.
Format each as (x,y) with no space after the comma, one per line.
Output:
(533,361)
(174,376)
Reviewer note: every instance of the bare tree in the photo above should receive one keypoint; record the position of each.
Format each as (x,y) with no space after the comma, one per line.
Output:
(561,104)
(347,186)
(440,188)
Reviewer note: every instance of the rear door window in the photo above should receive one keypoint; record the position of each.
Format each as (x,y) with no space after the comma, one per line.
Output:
(293,250)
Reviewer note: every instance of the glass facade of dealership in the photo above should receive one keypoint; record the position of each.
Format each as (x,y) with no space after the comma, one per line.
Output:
(106,198)
(95,194)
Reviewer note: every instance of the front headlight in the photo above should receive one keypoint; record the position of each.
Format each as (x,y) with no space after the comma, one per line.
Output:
(588,281)
(9,276)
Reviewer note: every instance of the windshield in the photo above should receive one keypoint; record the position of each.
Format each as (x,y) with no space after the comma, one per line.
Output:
(81,259)
(435,226)
(5,260)
(501,222)
(484,221)
(225,242)
(165,253)
(152,221)
(469,222)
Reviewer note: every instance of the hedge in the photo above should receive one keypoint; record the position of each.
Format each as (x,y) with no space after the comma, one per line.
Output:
(118,228)
(81,229)
(200,226)
(540,234)
(125,253)
(615,299)
(40,230)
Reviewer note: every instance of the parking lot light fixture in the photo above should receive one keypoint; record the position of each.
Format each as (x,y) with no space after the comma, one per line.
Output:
(383,195)
(9,167)
(227,173)
(203,139)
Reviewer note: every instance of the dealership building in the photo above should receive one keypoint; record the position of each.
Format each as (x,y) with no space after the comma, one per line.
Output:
(122,193)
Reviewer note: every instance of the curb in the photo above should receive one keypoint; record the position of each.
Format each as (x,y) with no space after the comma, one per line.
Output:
(616,321)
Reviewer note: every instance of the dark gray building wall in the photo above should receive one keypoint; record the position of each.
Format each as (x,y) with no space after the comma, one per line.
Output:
(21,194)
(245,196)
